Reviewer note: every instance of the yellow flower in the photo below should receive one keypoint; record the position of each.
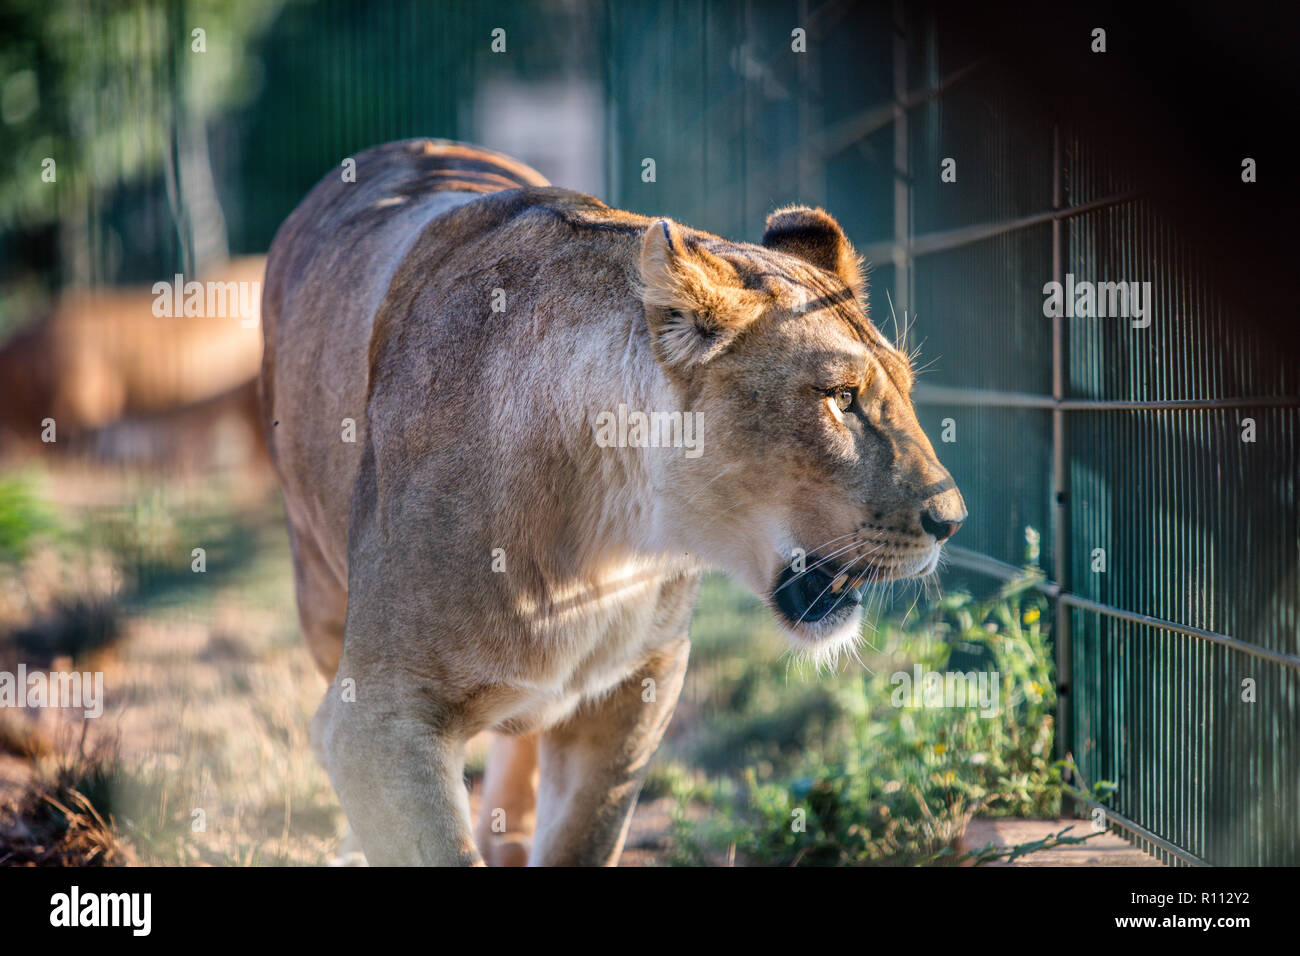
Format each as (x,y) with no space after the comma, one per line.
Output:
(940,749)
(1032,615)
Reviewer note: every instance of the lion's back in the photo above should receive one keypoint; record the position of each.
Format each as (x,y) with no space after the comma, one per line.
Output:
(329,271)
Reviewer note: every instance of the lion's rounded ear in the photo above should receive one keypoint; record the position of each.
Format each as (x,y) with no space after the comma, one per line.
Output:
(814,236)
(662,249)
(695,305)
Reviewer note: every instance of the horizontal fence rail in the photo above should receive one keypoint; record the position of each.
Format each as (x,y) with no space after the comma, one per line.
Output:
(966,235)
(988,398)
(985,564)
(1142,833)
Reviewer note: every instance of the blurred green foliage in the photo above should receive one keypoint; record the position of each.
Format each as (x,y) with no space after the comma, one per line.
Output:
(98,86)
(24,518)
(118,98)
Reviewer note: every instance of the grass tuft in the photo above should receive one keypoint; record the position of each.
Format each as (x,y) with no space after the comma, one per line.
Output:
(848,770)
(62,818)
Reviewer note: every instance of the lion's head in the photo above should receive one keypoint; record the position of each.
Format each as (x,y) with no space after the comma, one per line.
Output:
(815,477)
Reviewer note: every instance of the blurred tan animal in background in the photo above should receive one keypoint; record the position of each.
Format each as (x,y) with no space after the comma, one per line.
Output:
(123,382)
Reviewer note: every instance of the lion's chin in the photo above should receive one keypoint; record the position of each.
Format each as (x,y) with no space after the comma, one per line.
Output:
(822,642)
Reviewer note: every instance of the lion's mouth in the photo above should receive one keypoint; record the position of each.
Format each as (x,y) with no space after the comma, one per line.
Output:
(806,597)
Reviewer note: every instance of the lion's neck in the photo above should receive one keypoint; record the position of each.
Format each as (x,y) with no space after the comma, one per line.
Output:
(631,423)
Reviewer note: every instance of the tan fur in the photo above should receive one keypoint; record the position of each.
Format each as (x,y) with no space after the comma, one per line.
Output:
(476,443)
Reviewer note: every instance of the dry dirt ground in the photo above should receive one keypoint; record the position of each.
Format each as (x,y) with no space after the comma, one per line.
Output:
(208,690)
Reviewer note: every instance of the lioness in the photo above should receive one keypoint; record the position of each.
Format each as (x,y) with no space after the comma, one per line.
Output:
(477,559)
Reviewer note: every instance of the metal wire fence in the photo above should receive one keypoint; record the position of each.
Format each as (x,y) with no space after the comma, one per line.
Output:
(1160,455)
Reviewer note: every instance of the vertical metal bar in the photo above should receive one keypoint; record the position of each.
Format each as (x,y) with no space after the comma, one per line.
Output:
(902,169)
(1060,470)
(812,184)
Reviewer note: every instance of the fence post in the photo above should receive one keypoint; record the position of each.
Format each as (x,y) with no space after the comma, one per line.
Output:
(1060,470)
(902,172)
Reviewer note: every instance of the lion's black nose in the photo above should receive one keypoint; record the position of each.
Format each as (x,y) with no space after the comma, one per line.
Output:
(940,526)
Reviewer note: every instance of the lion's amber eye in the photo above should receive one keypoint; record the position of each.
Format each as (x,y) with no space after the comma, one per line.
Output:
(844,398)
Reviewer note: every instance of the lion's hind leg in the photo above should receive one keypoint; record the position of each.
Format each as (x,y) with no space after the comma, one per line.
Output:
(509,811)
(322,602)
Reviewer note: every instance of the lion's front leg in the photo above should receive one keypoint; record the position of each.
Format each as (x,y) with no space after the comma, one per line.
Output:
(400,781)
(592,765)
